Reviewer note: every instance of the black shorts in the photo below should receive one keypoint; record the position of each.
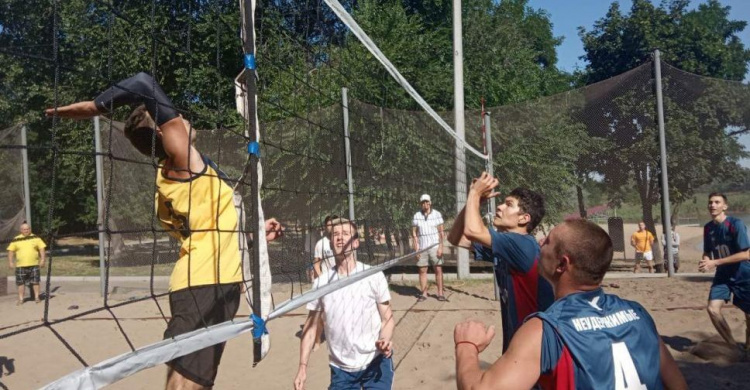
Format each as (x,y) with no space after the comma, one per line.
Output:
(27,275)
(194,308)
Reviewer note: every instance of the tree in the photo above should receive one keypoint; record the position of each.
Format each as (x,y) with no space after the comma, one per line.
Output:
(702,41)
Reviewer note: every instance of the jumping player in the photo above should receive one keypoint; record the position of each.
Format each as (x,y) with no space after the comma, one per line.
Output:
(725,248)
(513,250)
(586,340)
(196,206)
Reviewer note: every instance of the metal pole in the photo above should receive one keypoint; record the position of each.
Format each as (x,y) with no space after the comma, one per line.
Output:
(349,179)
(666,215)
(100,203)
(490,168)
(26,191)
(458,90)
(491,203)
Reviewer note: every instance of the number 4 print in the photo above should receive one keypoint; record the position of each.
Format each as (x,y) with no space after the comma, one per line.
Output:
(626,376)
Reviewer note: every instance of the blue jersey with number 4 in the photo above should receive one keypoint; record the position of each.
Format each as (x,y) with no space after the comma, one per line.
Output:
(593,340)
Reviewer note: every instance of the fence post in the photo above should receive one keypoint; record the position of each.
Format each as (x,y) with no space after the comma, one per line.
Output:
(666,214)
(26,191)
(100,204)
(347,147)
(491,204)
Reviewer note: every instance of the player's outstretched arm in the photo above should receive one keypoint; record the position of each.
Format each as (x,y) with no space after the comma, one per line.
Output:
(456,236)
(518,368)
(79,110)
(481,188)
(670,373)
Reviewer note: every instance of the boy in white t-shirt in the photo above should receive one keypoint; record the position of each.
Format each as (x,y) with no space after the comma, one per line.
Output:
(323,254)
(358,321)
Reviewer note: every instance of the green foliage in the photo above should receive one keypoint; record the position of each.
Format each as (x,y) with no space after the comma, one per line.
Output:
(194,51)
(699,112)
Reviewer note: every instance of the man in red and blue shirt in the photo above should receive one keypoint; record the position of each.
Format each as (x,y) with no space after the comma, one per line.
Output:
(511,247)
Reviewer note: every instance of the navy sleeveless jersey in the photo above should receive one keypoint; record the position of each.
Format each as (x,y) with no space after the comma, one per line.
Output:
(593,340)
(724,239)
(522,290)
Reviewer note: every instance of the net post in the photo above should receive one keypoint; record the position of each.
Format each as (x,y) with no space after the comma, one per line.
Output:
(488,143)
(667,210)
(491,202)
(26,191)
(348,150)
(248,48)
(100,202)
(462,260)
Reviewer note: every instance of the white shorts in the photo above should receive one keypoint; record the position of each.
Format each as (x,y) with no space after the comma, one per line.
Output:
(648,256)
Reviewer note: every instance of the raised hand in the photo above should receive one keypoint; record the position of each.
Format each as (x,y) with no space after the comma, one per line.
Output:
(484,186)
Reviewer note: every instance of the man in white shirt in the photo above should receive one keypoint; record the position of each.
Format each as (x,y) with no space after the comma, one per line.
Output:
(427,231)
(358,321)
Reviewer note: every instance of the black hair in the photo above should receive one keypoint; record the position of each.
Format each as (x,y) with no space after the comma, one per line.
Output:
(140,130)
(532,203)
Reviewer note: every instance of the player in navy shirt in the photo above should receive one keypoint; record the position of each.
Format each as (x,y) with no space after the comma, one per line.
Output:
(586,340)
(512,249)
(725,247)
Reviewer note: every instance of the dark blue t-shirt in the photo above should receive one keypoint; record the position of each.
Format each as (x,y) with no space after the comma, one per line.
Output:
(523,290)
(723,239)
(593,340)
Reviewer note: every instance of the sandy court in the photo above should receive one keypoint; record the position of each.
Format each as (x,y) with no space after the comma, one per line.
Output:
(423,338)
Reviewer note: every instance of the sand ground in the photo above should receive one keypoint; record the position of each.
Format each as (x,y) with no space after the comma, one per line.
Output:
(423,340)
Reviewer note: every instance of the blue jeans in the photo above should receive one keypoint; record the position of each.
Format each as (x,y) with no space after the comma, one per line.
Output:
(377,376)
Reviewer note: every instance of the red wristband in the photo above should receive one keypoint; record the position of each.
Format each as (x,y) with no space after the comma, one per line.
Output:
(467,342)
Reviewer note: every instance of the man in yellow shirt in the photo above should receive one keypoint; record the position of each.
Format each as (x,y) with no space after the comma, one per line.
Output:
(28,251)
(195,204)
(642,241)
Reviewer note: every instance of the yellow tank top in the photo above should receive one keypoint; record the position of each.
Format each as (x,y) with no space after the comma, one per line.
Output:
(200,213)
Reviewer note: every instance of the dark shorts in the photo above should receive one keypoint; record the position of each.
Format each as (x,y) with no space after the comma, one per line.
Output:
(194,308)
(27,275)
(738,292)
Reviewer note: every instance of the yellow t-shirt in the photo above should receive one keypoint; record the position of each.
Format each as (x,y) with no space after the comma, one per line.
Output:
(200,213)
(27,249)
(642,241)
